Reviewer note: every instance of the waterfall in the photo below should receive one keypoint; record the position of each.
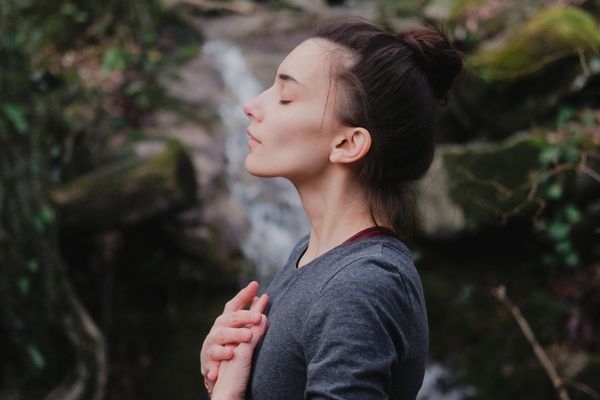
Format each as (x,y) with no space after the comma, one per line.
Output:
(272,206)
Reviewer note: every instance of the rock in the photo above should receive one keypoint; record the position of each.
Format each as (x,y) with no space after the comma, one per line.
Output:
(128,191)
(554,33)
(472,21)
(508,85)
(474,187)
(477,186)
(214,8)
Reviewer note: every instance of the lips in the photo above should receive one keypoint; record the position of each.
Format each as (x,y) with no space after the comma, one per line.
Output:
(252,136)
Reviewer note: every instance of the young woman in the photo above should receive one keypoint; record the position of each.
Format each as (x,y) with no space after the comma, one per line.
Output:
(349,121)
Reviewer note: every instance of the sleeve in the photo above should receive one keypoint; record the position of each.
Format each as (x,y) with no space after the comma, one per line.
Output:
(353,335)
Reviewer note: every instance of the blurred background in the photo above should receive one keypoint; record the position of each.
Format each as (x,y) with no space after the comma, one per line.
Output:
(127,219)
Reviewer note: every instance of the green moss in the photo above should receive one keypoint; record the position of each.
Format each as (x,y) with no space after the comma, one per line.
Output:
(554,33)
(459,7)
(491,183)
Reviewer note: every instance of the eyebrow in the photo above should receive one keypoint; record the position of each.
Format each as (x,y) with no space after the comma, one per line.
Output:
(286,77)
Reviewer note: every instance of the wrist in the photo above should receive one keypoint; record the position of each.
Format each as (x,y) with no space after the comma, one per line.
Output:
(227,391)
(226,395)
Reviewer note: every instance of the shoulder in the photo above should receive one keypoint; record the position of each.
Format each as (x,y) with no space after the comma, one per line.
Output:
(376,292)
(377,266)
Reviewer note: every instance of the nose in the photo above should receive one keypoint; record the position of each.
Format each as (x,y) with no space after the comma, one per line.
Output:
(251,109)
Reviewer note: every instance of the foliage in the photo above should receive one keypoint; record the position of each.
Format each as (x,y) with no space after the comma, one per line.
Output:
(570,220)
(75,77)
(97,65)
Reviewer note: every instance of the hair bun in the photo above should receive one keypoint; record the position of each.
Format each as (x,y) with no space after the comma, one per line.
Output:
(435,55)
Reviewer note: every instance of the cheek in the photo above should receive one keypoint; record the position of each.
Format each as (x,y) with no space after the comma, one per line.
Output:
(303,122)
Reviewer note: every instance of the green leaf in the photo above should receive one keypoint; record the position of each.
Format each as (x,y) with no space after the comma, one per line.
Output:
(38,224)
(114,59)
(46,214)
(572,214)
(466,293)
(554,191)
(186,53)
(559,231)
(588,118)
(68,9)
(549,155)
(33,265)
(23,284)
(564,115)
(564,248)
(15,115)
(133,88)
(143,100)
(81,17)
(572,155)
(572,259)
(36,357)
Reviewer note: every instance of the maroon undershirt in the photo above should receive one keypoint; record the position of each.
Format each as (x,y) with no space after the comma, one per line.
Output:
(370,232)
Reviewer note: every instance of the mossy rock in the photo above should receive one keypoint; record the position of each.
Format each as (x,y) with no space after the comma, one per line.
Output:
(507,88)
(450,10)
(524,77)
(479,186)
(552,34)
(495,110)
(128,191)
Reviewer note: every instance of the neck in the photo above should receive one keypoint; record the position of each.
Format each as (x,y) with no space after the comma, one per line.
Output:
(337,208)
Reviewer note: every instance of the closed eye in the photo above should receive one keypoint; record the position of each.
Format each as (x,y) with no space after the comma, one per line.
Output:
(284,101)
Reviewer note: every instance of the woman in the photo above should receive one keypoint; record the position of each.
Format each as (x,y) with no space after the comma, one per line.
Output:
(349,121)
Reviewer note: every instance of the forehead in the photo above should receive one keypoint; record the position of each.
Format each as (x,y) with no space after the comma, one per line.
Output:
(310,62)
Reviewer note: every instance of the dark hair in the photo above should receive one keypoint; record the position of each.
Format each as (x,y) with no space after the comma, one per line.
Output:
(392,88)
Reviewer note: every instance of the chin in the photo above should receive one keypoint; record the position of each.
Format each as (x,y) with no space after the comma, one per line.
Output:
(262,169)
(255,170)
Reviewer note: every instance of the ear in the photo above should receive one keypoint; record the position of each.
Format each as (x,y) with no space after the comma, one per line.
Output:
(350,145)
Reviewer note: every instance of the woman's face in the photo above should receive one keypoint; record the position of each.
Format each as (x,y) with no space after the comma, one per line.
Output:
(292,123)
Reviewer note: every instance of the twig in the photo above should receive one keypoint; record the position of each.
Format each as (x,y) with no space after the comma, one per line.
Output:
(582,387)
(500,294)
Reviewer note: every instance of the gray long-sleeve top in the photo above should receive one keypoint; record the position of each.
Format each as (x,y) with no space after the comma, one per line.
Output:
(350,324)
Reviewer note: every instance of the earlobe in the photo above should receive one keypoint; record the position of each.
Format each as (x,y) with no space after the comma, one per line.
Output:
(350,146)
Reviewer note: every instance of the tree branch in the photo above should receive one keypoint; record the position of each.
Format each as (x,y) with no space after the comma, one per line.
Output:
(557,381)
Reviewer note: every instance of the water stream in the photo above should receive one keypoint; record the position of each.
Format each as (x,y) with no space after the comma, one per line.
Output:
(275,216)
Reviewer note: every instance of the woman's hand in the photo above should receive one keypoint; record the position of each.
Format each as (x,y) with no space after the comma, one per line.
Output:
(234,373)
(230,329)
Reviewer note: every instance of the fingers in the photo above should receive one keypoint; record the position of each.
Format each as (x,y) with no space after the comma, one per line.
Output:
(258,331)
(226,335)
(212,377)
(238,318)
(260,304)
(219,353)
(244,296)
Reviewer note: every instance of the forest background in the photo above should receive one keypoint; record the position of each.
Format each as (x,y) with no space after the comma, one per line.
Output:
(125,225)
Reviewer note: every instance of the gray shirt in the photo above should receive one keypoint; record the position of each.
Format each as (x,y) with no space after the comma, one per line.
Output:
(350,324)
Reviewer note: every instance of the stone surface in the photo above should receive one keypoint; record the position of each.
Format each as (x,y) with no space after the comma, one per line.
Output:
(480,185)
(509,84)
(554,33)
